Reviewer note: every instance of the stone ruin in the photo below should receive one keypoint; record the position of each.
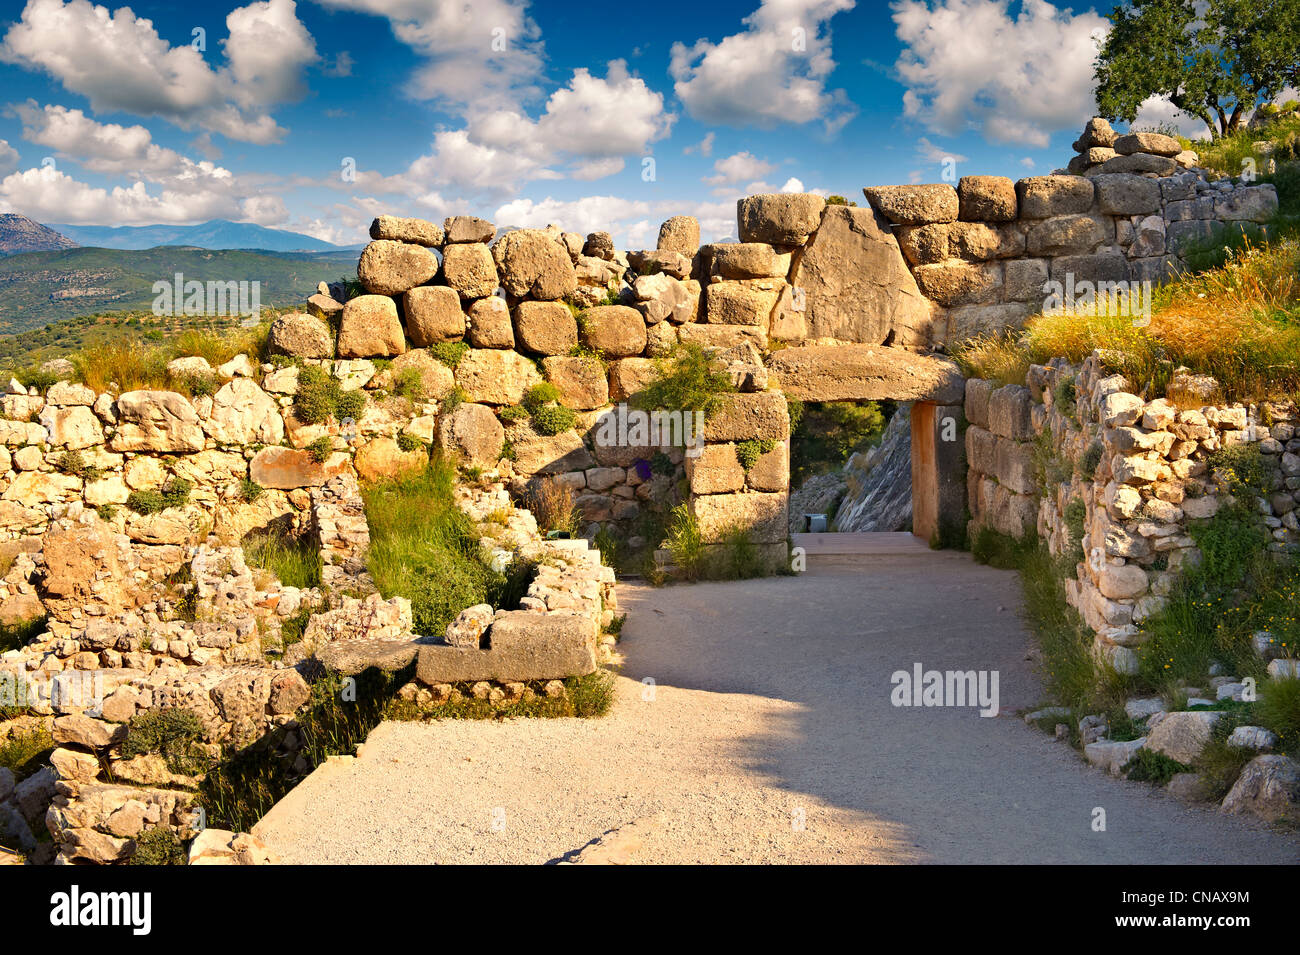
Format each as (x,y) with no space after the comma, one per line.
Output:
(817,301)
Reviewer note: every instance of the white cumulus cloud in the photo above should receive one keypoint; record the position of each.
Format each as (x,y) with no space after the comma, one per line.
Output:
(774,71)
(971,64)
(118,61)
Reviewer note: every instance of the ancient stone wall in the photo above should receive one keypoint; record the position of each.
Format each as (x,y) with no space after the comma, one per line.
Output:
(983,251)
(1104,475)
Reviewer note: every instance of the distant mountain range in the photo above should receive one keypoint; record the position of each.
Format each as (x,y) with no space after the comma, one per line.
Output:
(37,288)
(217,234)
(20,234)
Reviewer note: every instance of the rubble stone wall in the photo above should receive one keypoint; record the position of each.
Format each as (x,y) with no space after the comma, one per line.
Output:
(1103,474)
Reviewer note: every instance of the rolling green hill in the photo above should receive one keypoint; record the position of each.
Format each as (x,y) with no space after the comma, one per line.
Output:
(37,288)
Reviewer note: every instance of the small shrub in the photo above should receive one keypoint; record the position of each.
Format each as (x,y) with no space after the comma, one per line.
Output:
(742,561)
(551,503)
(409,384)
(1278,709)
(452,400)
(295,561)
(350,405)
(174,733)
(72,462)
(23,753)
(449,353)
(249,490)
(1090,460)
(176,492)
(748,452)
(158,846)
(609,545)
(1151,767)
(553,419)
(688,379)
(540,395)
(685,543)
(512,413)
(408,442)
(321,449)
(145,501)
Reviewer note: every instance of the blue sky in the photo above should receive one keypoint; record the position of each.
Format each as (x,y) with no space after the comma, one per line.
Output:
(318,115)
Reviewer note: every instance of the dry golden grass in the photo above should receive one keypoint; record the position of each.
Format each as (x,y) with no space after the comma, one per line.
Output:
(552,504)
(1239,323)
(132,365)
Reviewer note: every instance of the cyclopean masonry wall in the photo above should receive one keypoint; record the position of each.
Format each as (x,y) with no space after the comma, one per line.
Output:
(983,252)
(1117,479)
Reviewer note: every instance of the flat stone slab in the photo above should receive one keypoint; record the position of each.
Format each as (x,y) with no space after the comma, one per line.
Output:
(350,657)
(521,646)
(851,372)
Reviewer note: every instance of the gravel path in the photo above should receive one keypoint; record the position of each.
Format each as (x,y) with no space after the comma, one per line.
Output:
(771,705)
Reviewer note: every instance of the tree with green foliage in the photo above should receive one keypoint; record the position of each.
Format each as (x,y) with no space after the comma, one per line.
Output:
(1215,62)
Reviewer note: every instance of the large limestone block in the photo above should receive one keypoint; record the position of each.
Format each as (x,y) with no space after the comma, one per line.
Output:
(779,219)
(370,328)
(469,269)
(472,433)
(627,376)
(494,376)
(748,260)
(1268,787)
(382,458)
(242,413)
(1182,736)
(1040,197)
(1157,144)
(1097,133)
(390,268)
(545,328)
(521,646)
(547,454)
(156,421)
(400,229)
(716,470)
(856,285)
(914,205)
(436,379)
(978,391)
(1141,163)
(285,468)
(763,414)
(960,283)
(581,381)
(742,303)
(761,515)
(1010,415)
(986,199)
(533,264)
(615,331)
(74,427)
(489,323)
(1068,235)
(299,335)
(41,487)
(433,315)
(865,373)
(714,336)
(680,234)
(1128,195)
(468,229)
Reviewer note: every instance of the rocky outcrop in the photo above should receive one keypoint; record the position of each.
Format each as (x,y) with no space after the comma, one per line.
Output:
(878,482)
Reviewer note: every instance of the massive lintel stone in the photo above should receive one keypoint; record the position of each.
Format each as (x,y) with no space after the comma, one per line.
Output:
(856,285)
(521,646)
(865,373)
